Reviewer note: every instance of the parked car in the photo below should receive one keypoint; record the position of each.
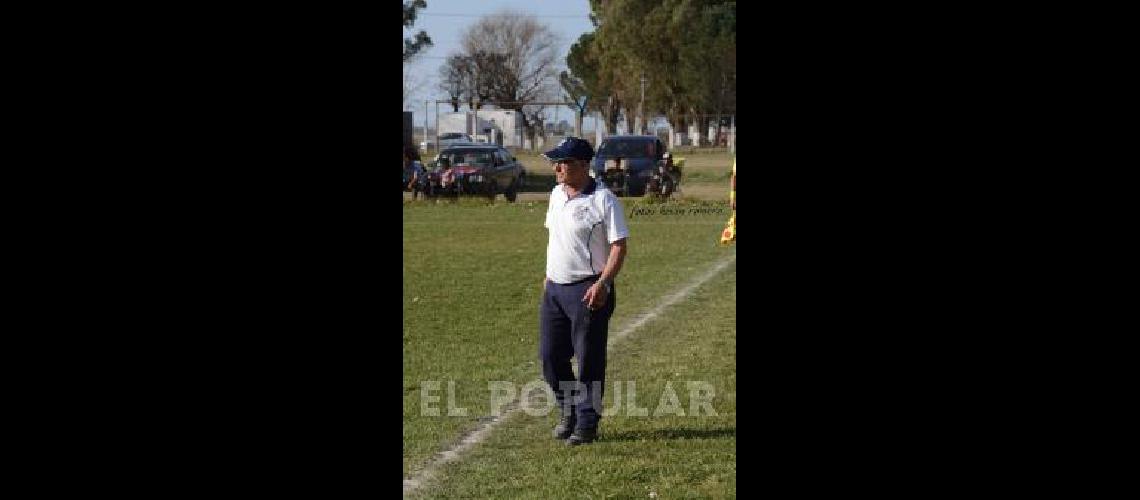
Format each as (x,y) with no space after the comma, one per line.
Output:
(639,156)
(447,139)
(481,169)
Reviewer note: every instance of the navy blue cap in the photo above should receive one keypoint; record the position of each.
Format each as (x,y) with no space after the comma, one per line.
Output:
(571,148)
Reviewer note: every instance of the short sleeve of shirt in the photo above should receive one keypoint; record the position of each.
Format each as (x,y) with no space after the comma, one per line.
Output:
(549,210)
(615,219)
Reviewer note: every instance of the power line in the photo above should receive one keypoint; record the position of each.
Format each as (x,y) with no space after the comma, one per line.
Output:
(565,16)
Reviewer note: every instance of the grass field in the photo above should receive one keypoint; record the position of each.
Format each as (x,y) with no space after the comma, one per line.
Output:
(472,281)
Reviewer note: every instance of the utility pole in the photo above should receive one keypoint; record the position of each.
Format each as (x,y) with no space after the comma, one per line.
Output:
(473,85)
(641,106)
(477,128)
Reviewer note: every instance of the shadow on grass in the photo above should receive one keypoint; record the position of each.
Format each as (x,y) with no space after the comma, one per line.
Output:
(668,434)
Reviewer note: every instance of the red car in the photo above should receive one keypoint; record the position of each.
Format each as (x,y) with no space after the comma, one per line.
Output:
(479,169)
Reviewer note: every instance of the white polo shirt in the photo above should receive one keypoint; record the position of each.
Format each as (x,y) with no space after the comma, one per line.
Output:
(581,231)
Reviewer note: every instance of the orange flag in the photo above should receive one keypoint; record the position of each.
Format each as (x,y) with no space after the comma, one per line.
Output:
(729,234)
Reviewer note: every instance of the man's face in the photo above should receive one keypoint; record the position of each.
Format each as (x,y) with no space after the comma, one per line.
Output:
(574,171)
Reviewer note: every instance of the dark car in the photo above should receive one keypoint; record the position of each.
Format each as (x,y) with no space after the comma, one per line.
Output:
(639,155)
(483,170)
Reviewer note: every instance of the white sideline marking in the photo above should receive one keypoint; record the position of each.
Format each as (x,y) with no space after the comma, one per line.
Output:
(670,300)
(478,435)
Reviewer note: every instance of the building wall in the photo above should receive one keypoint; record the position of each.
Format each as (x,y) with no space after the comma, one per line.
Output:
(508,123)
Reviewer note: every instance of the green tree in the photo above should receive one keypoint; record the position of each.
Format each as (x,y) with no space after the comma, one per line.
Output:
(686,49)
(622,40)
(584,66)
(419,41)
(575,91)
(707,60)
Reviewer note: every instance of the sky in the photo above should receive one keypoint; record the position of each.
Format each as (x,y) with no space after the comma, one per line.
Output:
(445,20)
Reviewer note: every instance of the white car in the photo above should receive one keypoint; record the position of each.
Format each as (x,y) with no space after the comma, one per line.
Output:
(446,140)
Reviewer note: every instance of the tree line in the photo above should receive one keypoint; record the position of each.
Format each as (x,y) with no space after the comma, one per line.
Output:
(685,50)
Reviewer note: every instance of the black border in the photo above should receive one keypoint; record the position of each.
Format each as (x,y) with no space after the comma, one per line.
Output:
(884,253)
(242,251)
(258,245)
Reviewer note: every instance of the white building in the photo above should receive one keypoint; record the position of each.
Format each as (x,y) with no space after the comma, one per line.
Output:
(500,126)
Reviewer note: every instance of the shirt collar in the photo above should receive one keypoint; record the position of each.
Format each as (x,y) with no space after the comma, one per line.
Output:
(588,190)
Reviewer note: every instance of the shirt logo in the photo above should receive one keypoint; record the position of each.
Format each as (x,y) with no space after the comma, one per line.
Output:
(582,213)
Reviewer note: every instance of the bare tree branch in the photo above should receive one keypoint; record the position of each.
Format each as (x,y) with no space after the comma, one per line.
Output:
(514,61)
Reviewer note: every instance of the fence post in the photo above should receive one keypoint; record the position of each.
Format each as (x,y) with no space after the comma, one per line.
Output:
(732,136)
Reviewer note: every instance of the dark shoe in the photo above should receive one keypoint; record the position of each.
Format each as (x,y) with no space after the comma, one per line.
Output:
(564,428)
(582,436)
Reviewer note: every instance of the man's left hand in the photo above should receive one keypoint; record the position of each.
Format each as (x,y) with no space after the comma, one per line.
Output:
(595,296)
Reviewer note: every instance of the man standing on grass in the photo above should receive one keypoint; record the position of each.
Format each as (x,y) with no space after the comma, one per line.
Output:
(584,252)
